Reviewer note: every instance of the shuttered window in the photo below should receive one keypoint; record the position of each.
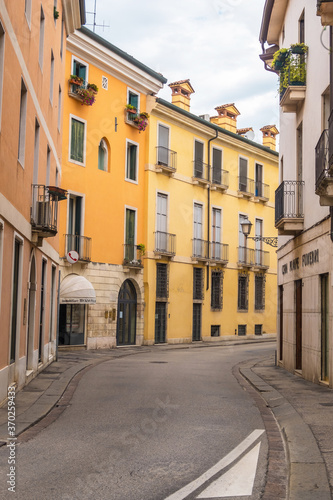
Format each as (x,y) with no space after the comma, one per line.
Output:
(162,284)
(197,283)
(259,292)
(216,290)
(243,285)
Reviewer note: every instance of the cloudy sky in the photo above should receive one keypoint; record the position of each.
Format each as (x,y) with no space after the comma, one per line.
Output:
(214,43)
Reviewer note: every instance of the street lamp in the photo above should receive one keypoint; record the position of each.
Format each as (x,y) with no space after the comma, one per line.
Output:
(246,229)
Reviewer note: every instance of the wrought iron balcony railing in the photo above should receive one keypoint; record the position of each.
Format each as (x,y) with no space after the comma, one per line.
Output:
(289,201)
(246,185)
(246,256)
(219,252)
(80,244)
(294,74)
(261,258)
(44,209)
(220,177)
(165,243)
(200,171)
(200,249)
(166,158)
(261,190)
(132,256)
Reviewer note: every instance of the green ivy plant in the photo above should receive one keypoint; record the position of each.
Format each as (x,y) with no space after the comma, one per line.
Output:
(291,65)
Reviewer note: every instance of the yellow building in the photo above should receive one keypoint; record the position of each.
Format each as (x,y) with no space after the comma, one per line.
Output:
(204,178)
(102,222)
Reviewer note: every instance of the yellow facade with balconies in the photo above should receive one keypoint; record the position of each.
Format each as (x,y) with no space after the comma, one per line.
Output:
(203,279)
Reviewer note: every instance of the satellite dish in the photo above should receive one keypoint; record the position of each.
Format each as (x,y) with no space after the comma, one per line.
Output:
(249,135)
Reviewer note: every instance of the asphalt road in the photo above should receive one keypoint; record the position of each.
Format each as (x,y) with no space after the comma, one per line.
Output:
(143,427)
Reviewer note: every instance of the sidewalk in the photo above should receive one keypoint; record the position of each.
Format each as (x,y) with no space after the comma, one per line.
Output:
(303,411)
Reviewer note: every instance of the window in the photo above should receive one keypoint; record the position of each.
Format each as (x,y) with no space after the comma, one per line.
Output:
(42,313)
(217,166)
(2,54)
(1,255)
(241,330)
(105,82)
(301,29)
(215,330)
(79,68)
(216,290)
(16,285)
(257,329)
(59,107)
(162,283)
(258,180)
(41,37)
(243,285)
(36,153)
(103,156)
(242,250)
(259,255)
(74,224)
(216,233)
(22,126)
(48,165)
(130,234)
(132,161)
(51,77)
(77,140)
(198,159)
(243,174)
(259,292)
(52,303)
(163,145)
(62,37)
(198,283)
(27,10)
(198,248)
(133,99)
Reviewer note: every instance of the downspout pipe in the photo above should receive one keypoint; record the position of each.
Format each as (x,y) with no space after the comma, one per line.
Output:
(208,202)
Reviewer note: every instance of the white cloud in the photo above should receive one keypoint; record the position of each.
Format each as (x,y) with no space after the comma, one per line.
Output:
(214,43)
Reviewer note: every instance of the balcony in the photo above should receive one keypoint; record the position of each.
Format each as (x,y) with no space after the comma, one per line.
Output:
(83,91)
(200,250)
(200,172)
(324,174)
(137,119)
(79,244)
(165,160)
(330,139)
(44,211)
(220,179)
(289,216)
(219,252)
(293,83)
(261,259)
(261,191)
(245,257)
(325,11)
(245,187)
(132,256)
(165,244)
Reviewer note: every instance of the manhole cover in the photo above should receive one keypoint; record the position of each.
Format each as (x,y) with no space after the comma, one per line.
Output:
(158,362)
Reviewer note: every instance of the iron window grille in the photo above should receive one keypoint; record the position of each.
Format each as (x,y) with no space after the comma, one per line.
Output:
(259,292)
(215,330)
(243,292)
(257,329)
(162,281)
(217,290)
(241,330)
(198,283)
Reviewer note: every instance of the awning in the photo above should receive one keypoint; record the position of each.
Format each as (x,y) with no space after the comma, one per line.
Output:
(75,289)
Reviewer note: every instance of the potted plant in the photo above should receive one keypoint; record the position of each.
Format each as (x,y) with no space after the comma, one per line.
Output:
(88,96)
(142,121)
(130,108)
(75,80)
(142,249)
(279,58)
(298,48)
(55,13)
(92,87)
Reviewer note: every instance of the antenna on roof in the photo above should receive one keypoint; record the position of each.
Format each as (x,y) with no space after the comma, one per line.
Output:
(94,22)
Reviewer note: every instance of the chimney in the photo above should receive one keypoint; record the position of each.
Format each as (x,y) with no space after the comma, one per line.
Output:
(269,133)
(247,132)
(227,117)
(181,92)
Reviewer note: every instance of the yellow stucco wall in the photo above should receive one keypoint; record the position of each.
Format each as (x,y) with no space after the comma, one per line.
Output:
(182,193)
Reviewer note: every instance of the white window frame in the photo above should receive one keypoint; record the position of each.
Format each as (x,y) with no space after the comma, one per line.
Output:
(41,38)
(216,207)
(132,91)
(167,194)
(59,108)
(84,63)
(71,116)
(133,143)
(106,155)
(196,202)
(27,12)
(23,123)
(240,233)
(247,170)
(219,149)
(83,203)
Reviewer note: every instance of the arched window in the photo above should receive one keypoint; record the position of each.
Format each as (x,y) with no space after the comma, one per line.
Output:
(103,156)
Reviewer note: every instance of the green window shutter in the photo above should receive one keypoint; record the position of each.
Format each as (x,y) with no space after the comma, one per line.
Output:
(131,161)
(130,234)
(77,140)
(133,99)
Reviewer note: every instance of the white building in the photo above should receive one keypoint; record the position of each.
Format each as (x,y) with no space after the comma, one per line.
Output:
(305,195)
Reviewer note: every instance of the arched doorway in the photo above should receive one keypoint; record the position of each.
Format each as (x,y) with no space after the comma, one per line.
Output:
(126,318)
(31,314)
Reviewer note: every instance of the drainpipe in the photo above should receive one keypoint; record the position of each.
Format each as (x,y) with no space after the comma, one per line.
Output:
(208,200)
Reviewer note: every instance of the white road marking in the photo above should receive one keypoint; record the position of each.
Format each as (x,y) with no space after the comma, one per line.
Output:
(238,481)
(227,460)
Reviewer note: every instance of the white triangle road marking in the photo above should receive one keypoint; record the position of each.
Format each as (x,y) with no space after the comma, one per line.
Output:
(224,462)
(238,481)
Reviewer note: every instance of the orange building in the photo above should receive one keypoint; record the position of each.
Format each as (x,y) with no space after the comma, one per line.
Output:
(32,63)
(102,224)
